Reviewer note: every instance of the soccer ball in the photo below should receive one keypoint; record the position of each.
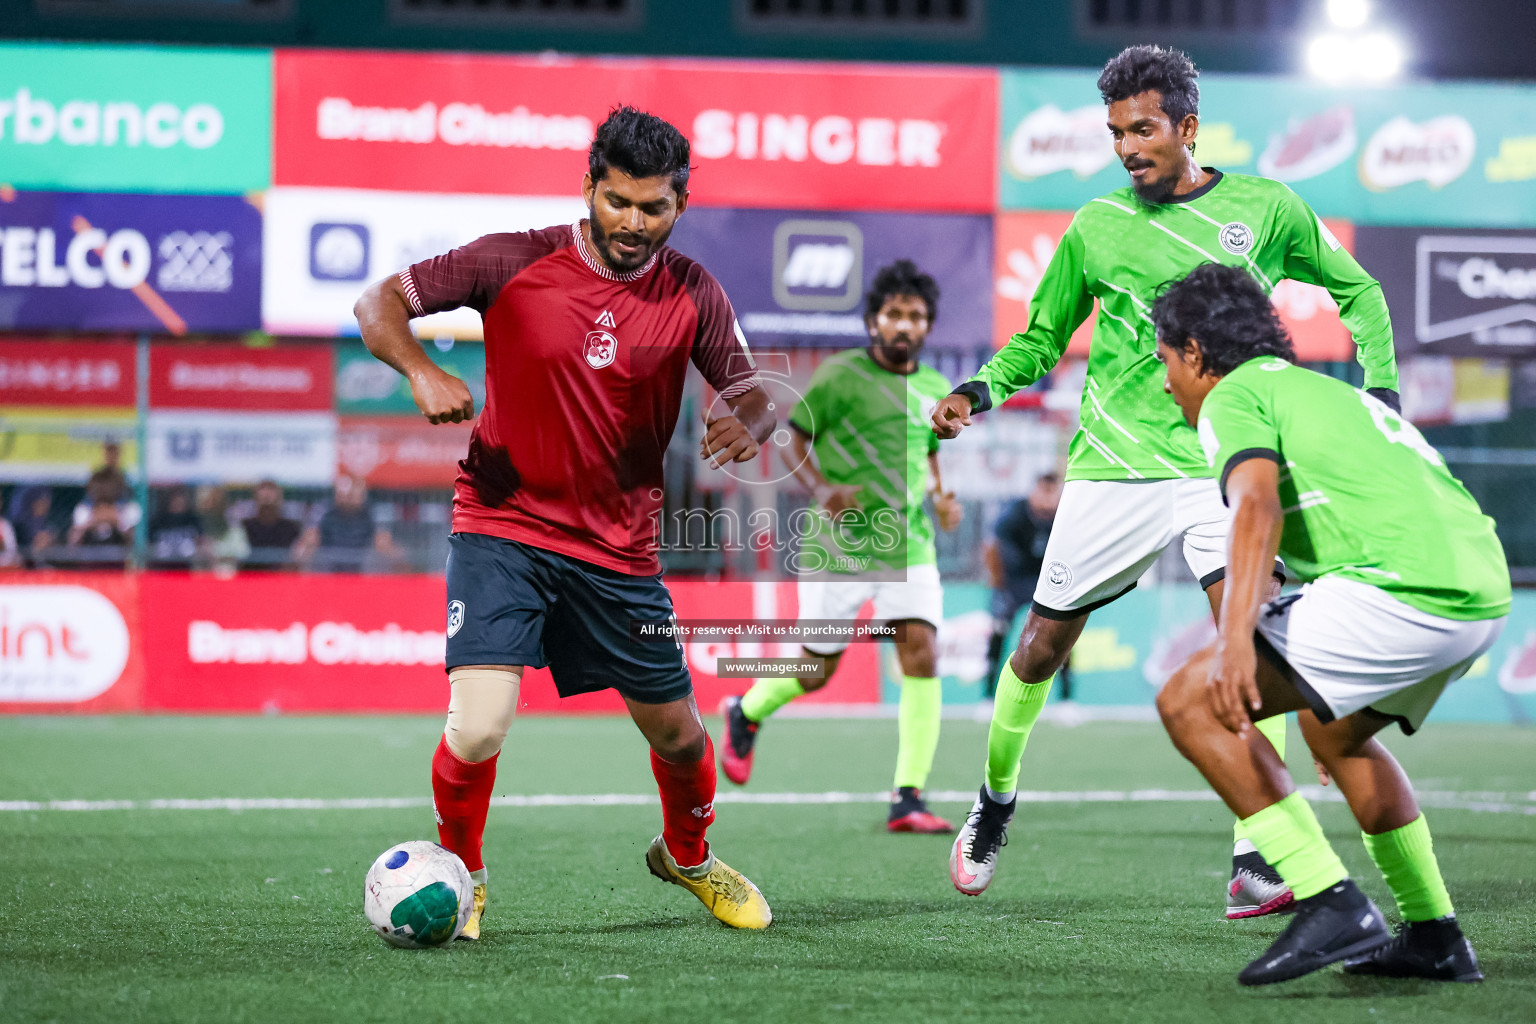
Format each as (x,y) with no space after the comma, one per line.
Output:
(418,894)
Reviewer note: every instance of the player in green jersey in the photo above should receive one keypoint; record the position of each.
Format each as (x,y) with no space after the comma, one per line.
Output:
(1135,480)
(862,446)
(1407,588)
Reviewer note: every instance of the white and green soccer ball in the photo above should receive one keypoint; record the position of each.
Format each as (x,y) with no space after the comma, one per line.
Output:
(417,895)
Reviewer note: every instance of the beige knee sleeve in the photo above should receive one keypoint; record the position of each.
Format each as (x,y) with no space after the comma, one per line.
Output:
(480,710)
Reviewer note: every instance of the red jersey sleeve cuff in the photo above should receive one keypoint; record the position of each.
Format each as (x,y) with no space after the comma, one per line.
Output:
(412,296)
(741,387)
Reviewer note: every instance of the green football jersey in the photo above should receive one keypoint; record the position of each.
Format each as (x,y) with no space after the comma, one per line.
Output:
(869,427)
(1119,251)
(1364,494)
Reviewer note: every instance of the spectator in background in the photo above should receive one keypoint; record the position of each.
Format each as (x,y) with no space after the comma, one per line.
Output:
(347,538)
(10,551)
(176,531)
(31,516)
(1014,560)
(224,543)
(271,534)
(111,470)
(106,518)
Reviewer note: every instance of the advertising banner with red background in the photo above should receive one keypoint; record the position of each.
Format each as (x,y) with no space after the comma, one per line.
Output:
(235,414)
(294,643)
(1025,243)
(36,371)
(70,642)
(285,378)
(399,451)
(764,134)
(59,402)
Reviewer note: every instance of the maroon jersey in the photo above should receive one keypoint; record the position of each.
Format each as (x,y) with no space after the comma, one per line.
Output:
(584,376)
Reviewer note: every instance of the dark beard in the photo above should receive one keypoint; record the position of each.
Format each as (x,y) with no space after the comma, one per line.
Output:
(893,352)
(600,244)
(1154,193)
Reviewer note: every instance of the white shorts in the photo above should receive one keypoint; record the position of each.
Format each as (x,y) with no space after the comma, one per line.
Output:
(1108,533)
(830,596)
(1351,645)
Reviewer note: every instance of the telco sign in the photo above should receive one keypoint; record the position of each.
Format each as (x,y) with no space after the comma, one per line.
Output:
(168,264)
(126,119)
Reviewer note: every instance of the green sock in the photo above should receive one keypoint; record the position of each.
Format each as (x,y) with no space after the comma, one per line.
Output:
(1289,837)
(1406,857)
(1015,710)
(1274,728)
(917,729)
(767,696)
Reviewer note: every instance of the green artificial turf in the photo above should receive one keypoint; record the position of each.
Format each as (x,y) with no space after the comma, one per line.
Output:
(1101,912)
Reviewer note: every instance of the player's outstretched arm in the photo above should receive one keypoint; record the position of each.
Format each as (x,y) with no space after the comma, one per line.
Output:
(1253,492)
(384,316)
(739,436)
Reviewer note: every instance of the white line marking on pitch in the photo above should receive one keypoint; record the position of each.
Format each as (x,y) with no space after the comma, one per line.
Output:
(1493,803)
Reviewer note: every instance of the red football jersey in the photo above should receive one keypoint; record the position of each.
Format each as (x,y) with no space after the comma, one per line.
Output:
(584,376)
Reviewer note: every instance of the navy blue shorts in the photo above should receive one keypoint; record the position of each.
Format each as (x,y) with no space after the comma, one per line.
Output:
(514,604)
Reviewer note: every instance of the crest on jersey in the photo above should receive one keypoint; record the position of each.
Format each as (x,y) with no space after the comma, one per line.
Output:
(1058,576)
(600,349)
(455,616)
(1236,237)
(605,320)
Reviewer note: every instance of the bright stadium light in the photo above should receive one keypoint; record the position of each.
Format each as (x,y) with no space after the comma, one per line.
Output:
(1372,57)
(1349,13)
(1378,56)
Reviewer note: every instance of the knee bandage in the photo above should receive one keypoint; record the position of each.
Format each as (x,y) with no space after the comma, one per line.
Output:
(480,710)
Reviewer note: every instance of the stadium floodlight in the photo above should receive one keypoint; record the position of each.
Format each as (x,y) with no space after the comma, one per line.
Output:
(1349,13)
(1372,57)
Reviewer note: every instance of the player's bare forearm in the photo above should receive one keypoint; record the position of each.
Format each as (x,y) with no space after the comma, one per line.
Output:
(1253,492)
(755,411)
(946,508)
(801,461)
(739,436)
(384,319)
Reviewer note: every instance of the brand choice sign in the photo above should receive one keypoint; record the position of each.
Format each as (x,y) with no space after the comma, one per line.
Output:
(764,134)
(108,118)
(169,264)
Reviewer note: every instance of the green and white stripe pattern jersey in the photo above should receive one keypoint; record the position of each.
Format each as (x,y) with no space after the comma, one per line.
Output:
(1120,251)
(869,428)
(1365,496)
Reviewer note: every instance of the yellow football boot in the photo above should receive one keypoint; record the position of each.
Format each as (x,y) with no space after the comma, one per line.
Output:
(472,926)
(724,890)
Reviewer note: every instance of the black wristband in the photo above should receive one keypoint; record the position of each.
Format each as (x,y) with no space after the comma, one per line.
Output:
(1387,397)
(979,394)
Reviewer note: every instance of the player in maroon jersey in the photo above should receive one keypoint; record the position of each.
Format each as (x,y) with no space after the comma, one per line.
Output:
(589,330)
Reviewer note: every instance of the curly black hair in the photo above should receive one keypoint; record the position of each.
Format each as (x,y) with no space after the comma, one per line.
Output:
(641,145)
(1226,312)
(902,278)
(1137,69)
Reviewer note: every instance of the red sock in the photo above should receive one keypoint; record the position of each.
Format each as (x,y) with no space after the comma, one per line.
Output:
(687,804)
(461,796)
